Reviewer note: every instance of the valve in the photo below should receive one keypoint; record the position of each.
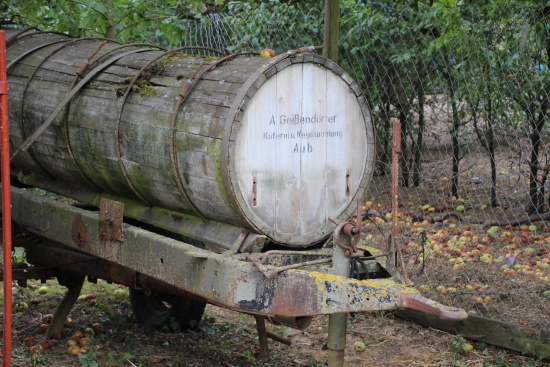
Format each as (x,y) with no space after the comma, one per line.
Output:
(351,228)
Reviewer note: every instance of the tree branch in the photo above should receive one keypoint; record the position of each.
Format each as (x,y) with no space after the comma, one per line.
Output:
(141,21)
(94,9)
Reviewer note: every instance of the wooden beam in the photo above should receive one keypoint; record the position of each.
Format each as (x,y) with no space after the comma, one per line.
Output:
(332,28)
(501,334)
(65,307)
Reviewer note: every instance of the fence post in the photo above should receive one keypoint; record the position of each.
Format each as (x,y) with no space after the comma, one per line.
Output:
(332,28)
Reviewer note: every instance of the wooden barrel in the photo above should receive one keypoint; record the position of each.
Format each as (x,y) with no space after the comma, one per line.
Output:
(273,145)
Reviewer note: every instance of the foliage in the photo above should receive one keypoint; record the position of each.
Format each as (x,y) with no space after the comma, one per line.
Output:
(159,21)
(117,359)
(88,359)
(269,23)
(459,347)
(481,58)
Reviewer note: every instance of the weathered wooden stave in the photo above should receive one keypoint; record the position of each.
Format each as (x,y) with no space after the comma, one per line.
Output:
(199,175)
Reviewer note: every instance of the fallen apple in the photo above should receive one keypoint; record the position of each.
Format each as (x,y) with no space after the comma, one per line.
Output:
(359,347)
(82,298)
(21,307)
(47,318)
(77,336)
(43,290)
(120,293)
(425,288)
(46,344)
(36,349)
(74,350)
(467,347)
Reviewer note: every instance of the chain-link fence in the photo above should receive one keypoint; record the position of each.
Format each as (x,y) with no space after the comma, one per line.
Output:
(470,84)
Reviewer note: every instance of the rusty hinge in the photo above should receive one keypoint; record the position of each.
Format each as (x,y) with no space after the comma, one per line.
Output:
(111,220)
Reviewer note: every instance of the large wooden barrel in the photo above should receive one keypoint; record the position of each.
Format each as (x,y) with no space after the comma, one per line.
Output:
(274,145)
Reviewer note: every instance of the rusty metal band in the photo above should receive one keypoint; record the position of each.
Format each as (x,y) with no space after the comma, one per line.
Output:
(33,50)
(21,35)
(396,150)
(123,100)
(13,64)
(68,98)
(38,33)
(13,38)
(88,66)
(84,67)
(186,89)
(117,127)
(118,48)
(172,138)
(24,92)
(79,75)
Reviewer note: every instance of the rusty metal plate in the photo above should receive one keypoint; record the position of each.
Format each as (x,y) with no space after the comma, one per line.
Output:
(111,217)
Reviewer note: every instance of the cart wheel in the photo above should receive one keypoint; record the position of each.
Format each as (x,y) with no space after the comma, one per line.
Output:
(163,308)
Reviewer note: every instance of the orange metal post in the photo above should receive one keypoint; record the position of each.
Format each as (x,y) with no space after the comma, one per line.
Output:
(6,201)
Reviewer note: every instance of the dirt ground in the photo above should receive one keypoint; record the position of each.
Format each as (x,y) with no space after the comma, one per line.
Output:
(226,338)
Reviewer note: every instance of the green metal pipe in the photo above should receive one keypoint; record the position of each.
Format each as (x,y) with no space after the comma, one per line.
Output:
(338,322)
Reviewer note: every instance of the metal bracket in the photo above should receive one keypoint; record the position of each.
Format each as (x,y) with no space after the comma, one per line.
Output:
(237,245)
(111,217)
